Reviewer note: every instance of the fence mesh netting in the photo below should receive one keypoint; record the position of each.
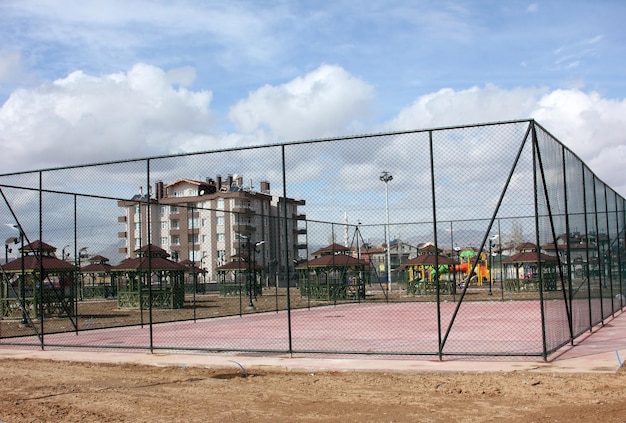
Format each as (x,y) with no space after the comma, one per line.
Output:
(482,240)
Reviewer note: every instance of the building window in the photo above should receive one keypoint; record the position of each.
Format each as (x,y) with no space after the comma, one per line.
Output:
(174,209)
(203,239)
(137,242)
(220,204)
(164,224)
(174,224)
(137,226)
(175,240)
(219,220)
(192,238)
(162,210)
(163,240)
(220,237)
(192,222)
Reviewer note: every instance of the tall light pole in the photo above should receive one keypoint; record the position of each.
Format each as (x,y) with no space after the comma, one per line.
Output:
(386,177)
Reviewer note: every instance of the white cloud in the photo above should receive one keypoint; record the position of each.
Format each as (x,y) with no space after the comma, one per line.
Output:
(12,70)
(146,111)
(83,118)
(593,127)
(325,102)
(448,107)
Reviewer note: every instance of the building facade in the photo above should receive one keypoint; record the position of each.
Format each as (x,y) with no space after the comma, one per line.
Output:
(209,222)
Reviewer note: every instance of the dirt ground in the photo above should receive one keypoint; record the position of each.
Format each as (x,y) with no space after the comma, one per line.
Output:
(49,391)
(52,391)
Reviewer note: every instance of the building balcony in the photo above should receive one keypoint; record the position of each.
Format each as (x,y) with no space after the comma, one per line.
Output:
(301,217)
(121,219)
(243,210)
(245,229)
(300,231)
(122,234)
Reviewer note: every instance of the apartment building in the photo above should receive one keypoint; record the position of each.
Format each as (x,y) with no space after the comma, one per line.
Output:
(210,222)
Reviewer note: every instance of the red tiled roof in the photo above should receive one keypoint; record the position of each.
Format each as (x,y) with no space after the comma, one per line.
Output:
(428,259)
(528,257)
(34,247)
(96,268)
(31,264)
(156,263)
(330,249)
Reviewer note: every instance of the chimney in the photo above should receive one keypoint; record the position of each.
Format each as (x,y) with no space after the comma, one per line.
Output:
(265,187)
(219,182)
(229,181)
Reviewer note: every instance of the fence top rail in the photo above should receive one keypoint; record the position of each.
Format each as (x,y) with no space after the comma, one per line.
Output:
(274,145)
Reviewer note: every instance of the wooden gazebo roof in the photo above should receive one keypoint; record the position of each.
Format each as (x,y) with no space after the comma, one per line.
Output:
(97,264)
(428,260)
(333,261)
(32,261)
(193,266)
(239,265)
(157,257)
(332,249)
(529,257)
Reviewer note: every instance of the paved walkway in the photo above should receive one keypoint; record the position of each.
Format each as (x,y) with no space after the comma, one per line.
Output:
(603,350)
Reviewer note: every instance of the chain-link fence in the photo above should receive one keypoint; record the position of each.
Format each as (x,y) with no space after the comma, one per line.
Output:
(483,240)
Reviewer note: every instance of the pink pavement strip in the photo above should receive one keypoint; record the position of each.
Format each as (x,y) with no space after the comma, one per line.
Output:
(512,327)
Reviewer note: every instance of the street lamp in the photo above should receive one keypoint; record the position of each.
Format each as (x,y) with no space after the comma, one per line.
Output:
(81,254)
(203,275)
(386,177)
(491,243)
(251,282)
(63,252)
(23,276)
(258,244)
(7,249)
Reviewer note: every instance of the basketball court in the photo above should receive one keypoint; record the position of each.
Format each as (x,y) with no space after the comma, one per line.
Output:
(338,338)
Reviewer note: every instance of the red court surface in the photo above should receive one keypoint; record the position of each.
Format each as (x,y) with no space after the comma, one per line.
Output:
(343,328)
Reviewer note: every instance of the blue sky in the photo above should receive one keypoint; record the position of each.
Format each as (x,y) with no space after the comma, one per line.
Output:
(232,73)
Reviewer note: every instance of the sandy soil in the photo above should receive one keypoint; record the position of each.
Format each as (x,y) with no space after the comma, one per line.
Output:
(39,390)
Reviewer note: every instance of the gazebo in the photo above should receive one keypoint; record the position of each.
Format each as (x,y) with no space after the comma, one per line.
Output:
(150,272)
(236,275)
(191,277)
(333,274)
(96,278)
(522,270)
(421,273)
(22,290)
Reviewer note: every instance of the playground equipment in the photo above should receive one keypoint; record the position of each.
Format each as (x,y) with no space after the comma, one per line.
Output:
(481,271)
